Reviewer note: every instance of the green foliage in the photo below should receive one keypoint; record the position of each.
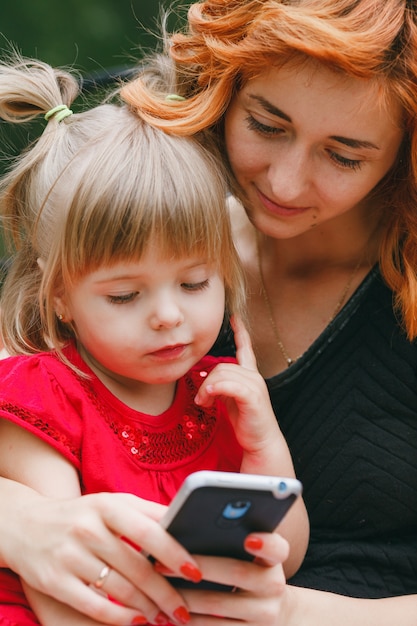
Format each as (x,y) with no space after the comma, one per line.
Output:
(92,36)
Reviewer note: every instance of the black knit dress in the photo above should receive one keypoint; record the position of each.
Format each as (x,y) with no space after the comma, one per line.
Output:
(348,410)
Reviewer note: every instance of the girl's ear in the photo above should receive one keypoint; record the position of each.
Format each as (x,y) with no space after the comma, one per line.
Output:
(61,309)
(60,304)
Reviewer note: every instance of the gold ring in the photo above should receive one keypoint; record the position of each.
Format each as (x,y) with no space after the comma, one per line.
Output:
(102,577)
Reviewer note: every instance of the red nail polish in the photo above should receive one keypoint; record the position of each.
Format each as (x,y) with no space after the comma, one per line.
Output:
(182,615)
(139,620)
(131,543)
(162,569)
(191,572)
(254,543)
(161,618)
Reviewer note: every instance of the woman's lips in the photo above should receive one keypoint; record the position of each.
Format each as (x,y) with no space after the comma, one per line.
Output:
(279,209)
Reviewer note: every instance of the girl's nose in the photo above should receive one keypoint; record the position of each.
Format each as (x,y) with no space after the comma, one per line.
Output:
(166,313)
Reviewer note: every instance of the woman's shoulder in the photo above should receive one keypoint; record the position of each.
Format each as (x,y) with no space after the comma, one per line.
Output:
(244,233)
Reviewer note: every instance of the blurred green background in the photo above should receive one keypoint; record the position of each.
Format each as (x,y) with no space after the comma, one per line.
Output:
(90,35)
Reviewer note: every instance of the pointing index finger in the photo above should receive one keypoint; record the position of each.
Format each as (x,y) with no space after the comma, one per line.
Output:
(244,352)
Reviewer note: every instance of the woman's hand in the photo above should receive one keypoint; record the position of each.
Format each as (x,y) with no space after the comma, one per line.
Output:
(63,546)
(260,586)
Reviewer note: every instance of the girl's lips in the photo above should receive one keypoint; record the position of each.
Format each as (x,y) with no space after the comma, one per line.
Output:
(169,352)
(279,209)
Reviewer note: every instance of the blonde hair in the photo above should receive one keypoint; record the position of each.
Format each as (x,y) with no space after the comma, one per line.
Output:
(228,42)
(94,190)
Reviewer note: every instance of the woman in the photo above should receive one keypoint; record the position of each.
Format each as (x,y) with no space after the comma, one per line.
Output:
(315,104)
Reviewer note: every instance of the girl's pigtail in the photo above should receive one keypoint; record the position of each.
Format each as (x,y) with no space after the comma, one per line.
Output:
(21,326)
(29,89)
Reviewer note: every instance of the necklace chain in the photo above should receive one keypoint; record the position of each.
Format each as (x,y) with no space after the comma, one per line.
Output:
(289,361)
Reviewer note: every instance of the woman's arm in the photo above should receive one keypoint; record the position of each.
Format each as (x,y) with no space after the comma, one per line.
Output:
(294,606)
(308,607)
(83,541)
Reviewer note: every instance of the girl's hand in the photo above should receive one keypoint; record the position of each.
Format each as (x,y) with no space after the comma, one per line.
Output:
(245,395)
(244,392)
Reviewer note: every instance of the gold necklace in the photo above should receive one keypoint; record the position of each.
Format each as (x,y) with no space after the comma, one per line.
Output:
(268,304)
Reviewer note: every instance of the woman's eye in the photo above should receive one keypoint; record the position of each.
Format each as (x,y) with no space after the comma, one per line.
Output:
(195,286)
(264,129)
(352,164)
(123,298)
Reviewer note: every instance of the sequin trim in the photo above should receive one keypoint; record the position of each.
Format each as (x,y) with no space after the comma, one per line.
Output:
(36,422)
(192,433)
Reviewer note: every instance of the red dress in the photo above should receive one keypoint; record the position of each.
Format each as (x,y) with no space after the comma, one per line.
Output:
(114,447)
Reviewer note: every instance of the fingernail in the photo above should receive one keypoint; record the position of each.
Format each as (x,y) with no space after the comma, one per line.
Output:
(182,615)
(191,572)
(139,619)
(253,543)
(162,569)
(161,618)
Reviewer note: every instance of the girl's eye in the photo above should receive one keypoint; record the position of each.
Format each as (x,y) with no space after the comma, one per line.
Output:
(351,164)
(123,298)
(195,286)
(264,129)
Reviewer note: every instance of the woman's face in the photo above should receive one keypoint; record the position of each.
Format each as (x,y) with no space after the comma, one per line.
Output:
(308,145)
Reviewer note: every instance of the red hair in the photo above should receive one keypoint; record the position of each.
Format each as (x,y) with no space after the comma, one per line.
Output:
(228,42)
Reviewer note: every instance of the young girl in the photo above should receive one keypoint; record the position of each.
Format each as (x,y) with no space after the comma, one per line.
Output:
(123,273)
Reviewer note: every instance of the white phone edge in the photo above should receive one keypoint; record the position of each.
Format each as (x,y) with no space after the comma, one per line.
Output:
(280,486)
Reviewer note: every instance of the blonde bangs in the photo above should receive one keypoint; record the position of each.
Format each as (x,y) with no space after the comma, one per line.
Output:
(159,188)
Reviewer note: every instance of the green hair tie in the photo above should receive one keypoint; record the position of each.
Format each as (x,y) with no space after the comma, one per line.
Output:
(175,97)
(59,112)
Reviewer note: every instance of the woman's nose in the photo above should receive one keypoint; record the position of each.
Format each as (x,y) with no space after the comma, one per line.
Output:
(289,176)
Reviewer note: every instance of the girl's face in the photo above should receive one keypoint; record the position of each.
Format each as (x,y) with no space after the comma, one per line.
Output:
(148,321)
(308,145)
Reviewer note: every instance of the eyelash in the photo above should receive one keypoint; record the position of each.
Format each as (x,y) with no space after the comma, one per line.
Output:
(196,286)
(122,299)
(270,131)
(254,124)
(351,164)
(126,298)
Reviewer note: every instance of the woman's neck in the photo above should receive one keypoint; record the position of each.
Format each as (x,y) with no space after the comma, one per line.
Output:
(296,286)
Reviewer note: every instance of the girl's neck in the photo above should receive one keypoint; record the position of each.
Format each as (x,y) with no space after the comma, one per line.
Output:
(143,397)
(151,399)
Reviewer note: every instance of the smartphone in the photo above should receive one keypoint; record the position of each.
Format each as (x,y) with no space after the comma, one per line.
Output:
(214,511)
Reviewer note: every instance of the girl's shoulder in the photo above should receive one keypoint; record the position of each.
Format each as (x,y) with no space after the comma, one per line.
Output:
(28,374)
(43,395)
